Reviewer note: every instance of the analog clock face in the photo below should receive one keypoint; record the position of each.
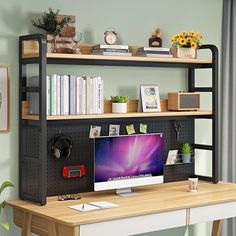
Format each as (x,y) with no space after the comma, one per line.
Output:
(110,38)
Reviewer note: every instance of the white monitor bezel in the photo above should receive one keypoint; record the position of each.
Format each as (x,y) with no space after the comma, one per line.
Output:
(127,183)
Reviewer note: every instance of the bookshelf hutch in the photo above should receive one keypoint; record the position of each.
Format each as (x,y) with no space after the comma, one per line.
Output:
(40,174)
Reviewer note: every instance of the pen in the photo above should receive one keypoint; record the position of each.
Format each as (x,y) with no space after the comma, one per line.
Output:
(82,207)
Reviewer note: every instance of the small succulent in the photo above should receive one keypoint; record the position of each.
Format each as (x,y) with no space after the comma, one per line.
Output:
(186,148)
(4,185)
(119,99)
(49,23)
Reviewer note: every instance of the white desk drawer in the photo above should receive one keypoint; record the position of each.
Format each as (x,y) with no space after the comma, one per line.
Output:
(212,212)
(135,225)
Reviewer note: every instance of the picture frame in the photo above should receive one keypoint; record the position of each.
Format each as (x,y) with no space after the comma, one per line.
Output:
(114,130)
(4,97)
(150,98)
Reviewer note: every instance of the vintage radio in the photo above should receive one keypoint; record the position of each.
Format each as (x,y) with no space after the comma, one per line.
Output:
(183,101)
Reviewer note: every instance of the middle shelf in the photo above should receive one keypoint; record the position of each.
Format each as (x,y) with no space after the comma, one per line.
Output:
(107,113)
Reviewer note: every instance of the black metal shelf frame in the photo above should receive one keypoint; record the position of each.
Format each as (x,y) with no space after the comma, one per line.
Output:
(41,126)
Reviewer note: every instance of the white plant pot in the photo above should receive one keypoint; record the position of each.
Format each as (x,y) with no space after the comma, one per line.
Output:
(186,53)
(119,107)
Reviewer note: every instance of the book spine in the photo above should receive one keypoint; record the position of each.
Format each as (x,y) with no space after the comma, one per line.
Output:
(53,95)
(95,95)
(62,96)
(99,92)
(66,94)
(102,96)
(77,98)
(84,97)
(103,46)
(58,95)
(48,95)
(110,50)
(88,97)
(72,95)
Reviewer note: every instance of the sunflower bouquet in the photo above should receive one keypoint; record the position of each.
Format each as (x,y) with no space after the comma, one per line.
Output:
(187,40)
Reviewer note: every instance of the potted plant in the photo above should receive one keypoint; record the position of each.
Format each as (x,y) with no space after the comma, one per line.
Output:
(186,150)
(186,44)
(4,185)
(119,104)
(51,25)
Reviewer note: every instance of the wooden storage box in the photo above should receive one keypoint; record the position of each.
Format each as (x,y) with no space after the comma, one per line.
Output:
(183,101)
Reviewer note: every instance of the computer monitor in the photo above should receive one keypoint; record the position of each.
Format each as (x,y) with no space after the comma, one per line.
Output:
(125,161)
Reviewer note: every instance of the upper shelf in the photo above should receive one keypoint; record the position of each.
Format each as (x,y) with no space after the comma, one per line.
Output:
(89,59)
(32,43)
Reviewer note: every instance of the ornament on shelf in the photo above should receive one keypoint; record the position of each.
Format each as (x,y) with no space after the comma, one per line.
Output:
(155,40)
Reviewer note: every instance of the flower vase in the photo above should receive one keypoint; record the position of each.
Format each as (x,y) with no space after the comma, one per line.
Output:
(186,53)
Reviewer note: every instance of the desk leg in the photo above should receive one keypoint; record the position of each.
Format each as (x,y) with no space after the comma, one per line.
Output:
(216,227)
(26,226)
(66,230)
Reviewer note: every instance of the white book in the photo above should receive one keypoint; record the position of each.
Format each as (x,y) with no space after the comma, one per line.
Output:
(84,97)
(79,94)
(99,93)
(95,95)
(89,95)
(62,96)
(154,49)
(102,96)
(66,94)
(72,94)
(53,94)
(48,95)
(104,46)
(58,95)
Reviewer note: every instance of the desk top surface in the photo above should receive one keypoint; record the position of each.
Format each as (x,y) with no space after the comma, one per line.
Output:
(150,200)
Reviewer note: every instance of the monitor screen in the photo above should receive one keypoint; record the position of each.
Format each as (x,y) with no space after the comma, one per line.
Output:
(128,160)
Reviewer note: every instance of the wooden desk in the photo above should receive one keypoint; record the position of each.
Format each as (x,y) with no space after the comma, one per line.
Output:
(155,208)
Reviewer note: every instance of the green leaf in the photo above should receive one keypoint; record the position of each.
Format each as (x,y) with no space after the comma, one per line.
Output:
(5,185)
(5,225)
(2,204)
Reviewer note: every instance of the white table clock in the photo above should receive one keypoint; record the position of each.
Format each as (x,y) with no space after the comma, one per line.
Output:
(110,36)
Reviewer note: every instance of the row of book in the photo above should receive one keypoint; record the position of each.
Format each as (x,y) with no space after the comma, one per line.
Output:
(112,50)
(71,95)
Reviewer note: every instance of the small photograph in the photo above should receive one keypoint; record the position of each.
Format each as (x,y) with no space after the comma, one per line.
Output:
(130,129)
(172,157)
(114,130)
(143,128)
(95,131)
(150,98)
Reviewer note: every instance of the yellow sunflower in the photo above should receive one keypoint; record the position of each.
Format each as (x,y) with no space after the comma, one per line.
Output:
(182,41)
(193,45)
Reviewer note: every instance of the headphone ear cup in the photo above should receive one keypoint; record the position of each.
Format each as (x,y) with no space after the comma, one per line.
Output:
(57,153)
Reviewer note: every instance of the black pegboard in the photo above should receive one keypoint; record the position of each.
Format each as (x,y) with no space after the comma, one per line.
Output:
(82,152)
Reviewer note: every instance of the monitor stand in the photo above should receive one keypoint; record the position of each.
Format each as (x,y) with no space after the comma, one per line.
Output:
(125,192)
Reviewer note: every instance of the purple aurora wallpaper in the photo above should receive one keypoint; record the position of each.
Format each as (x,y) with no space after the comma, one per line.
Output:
(130,156)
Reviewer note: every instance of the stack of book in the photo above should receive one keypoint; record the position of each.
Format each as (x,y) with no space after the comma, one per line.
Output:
(154,52)
(112,50)
(71,95)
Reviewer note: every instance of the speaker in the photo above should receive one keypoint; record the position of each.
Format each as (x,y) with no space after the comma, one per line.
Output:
(61,146)
(183,101)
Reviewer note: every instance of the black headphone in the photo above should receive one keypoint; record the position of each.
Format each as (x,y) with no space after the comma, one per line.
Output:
(61,146)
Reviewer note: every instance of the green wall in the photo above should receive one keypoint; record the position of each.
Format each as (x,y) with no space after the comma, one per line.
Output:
(134,20)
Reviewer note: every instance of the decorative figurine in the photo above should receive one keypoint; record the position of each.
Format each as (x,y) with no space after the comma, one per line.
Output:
(155,40)
(110,36)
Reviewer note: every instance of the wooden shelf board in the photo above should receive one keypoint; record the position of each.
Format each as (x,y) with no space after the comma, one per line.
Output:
(118,58)
(126,58)
(126,115)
